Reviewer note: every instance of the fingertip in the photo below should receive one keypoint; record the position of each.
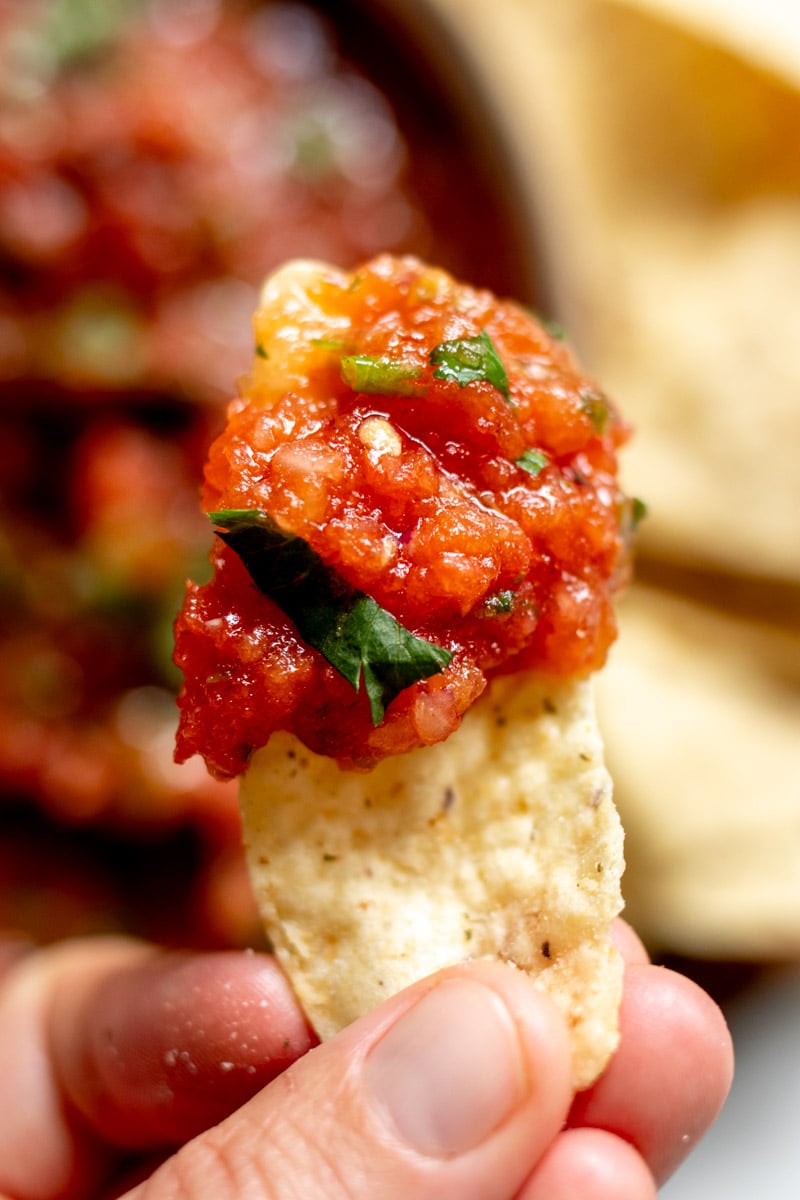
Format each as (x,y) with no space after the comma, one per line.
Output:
(166,1044)
(664,1005)
(590,1163)
(13,948)
(671,1074)
(42,1151)
(628,942)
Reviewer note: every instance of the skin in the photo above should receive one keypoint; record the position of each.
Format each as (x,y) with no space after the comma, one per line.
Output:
(127,1067)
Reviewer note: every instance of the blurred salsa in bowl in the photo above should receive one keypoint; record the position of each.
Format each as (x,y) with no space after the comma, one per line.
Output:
(157,159)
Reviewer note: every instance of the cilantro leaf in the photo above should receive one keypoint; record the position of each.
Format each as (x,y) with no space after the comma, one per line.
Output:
(532,461)
(350,629)
(366,640)
(470,360)
(380,376)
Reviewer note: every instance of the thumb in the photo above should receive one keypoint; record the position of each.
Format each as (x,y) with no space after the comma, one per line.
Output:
(454,1088)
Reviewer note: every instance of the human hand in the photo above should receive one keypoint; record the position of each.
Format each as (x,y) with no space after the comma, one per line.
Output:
(193,1072)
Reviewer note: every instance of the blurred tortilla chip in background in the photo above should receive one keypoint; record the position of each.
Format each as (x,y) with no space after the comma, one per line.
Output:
(700,715)
(658,147)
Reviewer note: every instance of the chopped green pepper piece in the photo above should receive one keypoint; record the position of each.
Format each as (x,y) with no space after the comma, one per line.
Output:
(380,376)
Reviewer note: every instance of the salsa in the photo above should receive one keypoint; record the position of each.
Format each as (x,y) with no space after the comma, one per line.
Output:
(435,449)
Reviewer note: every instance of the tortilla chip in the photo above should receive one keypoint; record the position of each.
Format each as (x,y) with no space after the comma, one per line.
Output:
(501,842)
(699,714)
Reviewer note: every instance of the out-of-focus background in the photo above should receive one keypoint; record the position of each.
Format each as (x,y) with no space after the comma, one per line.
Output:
(628,167)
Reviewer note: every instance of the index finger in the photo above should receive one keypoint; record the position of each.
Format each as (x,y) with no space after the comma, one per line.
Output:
(111,1043)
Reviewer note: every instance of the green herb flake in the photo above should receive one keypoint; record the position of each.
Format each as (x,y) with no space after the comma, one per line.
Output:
(358,638)
(470,360)
(595,405)
(380,376)
(260,351)
(532,461)
(554,328)
(632,512)
(638,511)
(498,603)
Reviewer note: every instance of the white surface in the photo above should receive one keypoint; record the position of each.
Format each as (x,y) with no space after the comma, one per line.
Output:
(754,1148)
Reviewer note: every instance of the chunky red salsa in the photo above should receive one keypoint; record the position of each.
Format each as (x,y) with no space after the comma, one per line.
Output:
(436,450)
